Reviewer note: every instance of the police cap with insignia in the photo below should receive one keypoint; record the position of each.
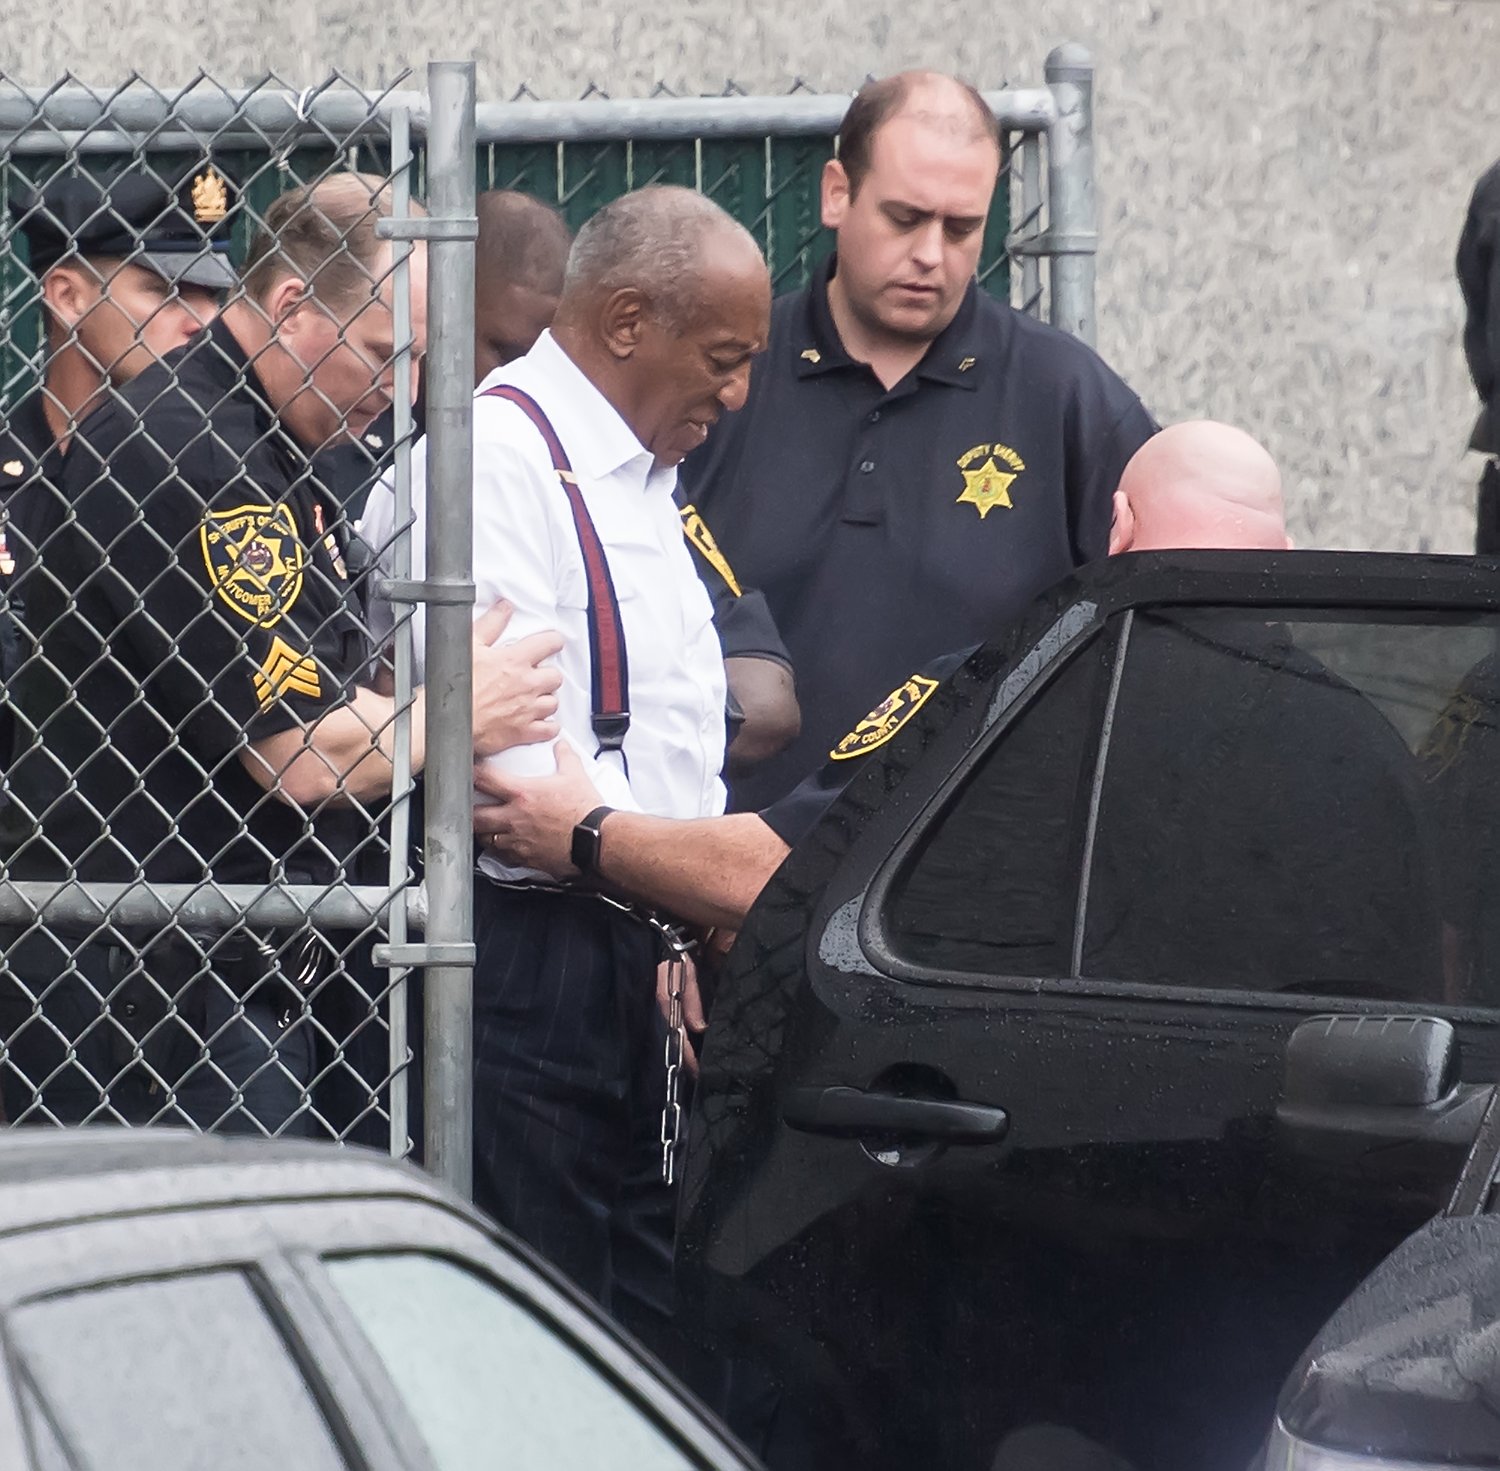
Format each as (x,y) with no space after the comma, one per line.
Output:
(180,233)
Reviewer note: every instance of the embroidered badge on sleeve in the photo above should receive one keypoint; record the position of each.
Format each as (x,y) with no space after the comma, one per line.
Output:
(885,719)
(255,560)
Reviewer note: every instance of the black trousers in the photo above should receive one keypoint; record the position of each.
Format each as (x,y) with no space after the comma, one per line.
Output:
(568,1086)
(1487,519)
(109,1034)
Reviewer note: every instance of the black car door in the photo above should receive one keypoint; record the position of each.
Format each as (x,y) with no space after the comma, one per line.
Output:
(1046,1111)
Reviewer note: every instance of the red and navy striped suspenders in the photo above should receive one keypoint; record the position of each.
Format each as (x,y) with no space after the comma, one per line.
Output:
(611,673)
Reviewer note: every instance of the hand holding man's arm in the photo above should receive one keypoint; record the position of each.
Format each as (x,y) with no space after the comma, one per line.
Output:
(350,750)
(707,870)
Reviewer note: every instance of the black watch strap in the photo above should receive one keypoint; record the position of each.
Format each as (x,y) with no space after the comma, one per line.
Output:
(584,851)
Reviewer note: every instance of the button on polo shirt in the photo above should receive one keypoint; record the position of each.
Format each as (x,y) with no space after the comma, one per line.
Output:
(889,526)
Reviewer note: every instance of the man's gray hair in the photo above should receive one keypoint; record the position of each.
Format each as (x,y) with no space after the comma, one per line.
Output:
(652,239)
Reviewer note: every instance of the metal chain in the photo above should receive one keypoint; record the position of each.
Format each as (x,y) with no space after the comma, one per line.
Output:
(677,947)
(676,1050)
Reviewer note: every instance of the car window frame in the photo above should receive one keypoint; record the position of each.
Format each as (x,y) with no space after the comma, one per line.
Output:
(76,1256)
(518,1274)
(281,1241)
(1031,674)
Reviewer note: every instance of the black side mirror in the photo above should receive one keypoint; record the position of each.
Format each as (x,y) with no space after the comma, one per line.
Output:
(1355,1085)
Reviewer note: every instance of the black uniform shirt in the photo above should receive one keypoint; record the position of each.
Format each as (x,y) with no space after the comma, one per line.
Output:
(30,465)
(30,468)
(886,527)
(220,615)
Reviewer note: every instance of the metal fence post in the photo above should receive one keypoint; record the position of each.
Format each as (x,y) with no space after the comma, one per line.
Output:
(1072,237)
(449,847)
(401,779)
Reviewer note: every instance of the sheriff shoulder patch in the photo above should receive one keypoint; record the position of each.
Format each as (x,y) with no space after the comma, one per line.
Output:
(255,560)
(286,672)
(885,719)
(699,536)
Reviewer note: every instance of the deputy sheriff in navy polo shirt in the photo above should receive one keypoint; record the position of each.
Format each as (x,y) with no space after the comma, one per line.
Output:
(916,460)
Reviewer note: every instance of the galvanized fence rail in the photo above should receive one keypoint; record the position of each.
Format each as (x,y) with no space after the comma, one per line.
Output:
(760,157)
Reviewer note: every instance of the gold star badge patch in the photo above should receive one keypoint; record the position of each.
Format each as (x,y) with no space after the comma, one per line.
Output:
(989,471)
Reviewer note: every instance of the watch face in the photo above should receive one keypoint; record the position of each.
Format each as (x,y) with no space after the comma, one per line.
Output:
(584,850)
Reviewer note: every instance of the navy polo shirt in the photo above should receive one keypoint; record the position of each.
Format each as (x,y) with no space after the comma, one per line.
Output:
(888,526)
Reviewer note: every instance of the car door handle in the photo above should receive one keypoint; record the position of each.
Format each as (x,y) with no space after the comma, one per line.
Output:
(852,1113)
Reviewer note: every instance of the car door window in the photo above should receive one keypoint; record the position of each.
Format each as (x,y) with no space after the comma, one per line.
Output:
(171,1374)
(486,1381)
(992,883)
(1283,805)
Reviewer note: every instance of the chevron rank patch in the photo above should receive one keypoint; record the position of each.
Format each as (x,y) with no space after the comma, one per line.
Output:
(286,672)
(885,719)
(700,537)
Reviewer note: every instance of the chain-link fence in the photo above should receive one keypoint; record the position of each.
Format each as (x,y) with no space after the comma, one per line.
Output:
(209,907)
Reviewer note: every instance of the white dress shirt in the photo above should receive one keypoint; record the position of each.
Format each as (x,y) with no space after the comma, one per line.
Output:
(526,550)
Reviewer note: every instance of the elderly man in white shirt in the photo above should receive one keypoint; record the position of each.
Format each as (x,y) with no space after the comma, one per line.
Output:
(666,300)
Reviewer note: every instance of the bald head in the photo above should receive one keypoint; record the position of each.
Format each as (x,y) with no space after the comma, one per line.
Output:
(1199,484)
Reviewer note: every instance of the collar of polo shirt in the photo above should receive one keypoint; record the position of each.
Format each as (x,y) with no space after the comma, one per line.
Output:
(956,355)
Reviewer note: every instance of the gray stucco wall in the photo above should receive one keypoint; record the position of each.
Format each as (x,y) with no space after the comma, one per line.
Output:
(1281,182)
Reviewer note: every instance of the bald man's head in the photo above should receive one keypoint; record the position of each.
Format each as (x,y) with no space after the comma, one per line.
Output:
(1203,485)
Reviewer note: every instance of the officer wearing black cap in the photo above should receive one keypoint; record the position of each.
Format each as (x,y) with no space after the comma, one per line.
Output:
(916,460)
(127,270)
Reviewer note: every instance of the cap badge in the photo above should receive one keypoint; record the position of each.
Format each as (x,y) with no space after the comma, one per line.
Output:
(12,467)
(986,484)
(210,198)
(812,355)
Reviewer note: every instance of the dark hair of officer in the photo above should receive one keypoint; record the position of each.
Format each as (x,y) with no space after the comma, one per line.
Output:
(519,259)
(877,102)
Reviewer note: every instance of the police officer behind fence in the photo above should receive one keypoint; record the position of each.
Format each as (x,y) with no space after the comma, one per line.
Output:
(127,270)
(916,460)
(196,705)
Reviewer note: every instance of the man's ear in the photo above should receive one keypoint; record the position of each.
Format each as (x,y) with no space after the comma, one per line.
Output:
(283,300)
(70,292)
(622,320)
(834,194)
(1122,528)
